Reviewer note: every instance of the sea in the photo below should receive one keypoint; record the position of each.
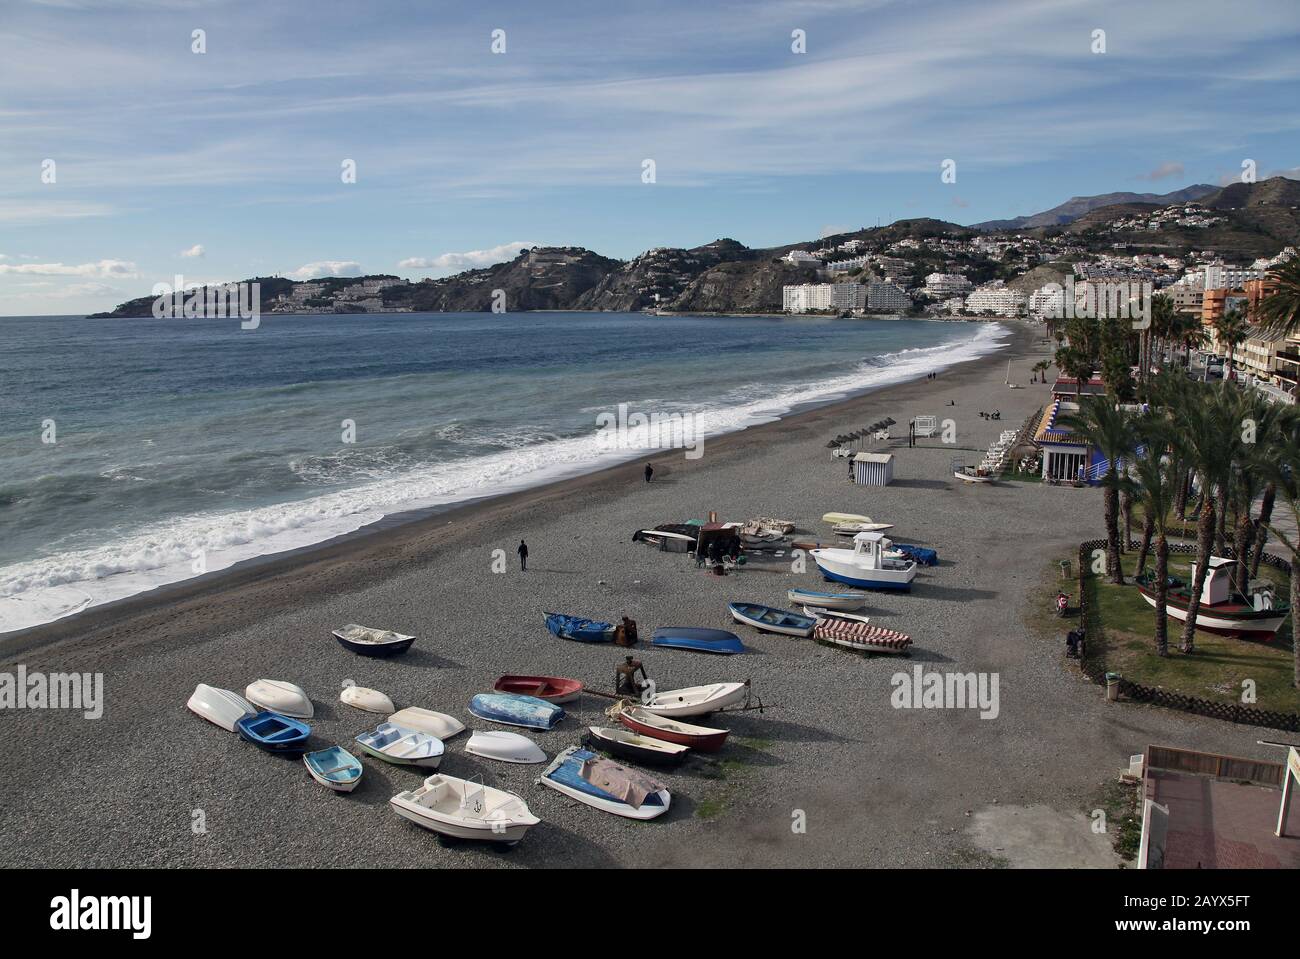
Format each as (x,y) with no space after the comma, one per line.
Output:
(140,452)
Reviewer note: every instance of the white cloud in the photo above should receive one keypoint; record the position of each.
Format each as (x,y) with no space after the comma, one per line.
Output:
(473,259)
(322,268)
(195,250)
(112,269)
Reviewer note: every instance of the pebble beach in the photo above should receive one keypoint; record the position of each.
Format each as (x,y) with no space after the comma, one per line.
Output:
(829,774)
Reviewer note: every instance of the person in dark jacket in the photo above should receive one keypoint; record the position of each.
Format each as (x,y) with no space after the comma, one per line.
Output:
(649,472)
(523,555)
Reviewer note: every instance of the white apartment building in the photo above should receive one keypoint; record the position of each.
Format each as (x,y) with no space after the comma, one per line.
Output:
(849,296)
(996,299)
(1047,301)
(804,297)
(1217,276)
(843,266)
(944,285)
(888,297)
(801,258)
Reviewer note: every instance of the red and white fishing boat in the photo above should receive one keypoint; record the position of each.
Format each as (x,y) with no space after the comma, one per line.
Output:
(1223,610)
(702,738)
(553,689)
(855,633)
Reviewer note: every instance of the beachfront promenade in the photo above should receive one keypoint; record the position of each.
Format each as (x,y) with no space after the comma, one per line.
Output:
(876,785)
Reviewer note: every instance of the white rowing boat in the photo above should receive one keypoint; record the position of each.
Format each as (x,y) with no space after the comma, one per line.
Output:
(281,697)
(696,700)
(463,809)
(370,700)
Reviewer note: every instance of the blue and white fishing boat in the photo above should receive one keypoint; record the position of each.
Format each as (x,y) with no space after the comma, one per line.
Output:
(334,768)
(768,619)
(590,778)
(273,732)
(866,565)
(579,629)
(812,597)
(402,746)
(698,640)
(512,709)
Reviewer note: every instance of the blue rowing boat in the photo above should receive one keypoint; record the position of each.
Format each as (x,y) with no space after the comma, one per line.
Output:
(512,709)
(769,619)
(273,732)
(579,629)
(698,640)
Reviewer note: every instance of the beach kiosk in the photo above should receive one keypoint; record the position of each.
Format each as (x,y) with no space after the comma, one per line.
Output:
(873,469)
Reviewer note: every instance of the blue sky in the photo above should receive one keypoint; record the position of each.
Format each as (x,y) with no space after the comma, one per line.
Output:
(234,156)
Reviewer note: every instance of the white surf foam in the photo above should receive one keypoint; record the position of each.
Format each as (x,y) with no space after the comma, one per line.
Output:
(50,588)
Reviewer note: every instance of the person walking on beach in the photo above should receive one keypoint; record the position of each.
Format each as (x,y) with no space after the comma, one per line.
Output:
(523,556)
(649,472)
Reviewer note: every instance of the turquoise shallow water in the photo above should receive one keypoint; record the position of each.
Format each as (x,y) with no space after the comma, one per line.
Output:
(188,445)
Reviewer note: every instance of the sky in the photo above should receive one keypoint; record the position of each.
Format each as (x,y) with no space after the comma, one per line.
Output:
(229,163)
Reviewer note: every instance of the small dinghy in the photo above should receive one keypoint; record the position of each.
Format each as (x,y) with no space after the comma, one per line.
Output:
(402,747)
(371,700)
(845,518)
(579,629)
(281,697)
(220,706)
(835,615)
(768,619)
(699,640)
(702,738)
(510,709)
(437,725)
(504,747)
(553,689)
(334,768)
(852,529)
(464,809)
(635,747)
(589,778)
(812,597)
(273,732)
(367,641)
(697,700)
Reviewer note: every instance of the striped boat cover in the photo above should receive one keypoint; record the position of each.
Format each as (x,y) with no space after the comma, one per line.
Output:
(863,633)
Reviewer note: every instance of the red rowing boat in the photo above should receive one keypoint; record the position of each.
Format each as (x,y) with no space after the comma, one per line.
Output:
(703,738)
(553,689)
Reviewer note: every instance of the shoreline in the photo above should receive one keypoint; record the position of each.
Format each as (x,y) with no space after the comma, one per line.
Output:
(403,531)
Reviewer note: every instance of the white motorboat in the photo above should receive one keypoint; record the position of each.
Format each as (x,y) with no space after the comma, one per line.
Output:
(504,747)
(438,725)
(370,700)
(866,565)
(280,697)
(220,706)
(402,747)
(464,809)
(696,700)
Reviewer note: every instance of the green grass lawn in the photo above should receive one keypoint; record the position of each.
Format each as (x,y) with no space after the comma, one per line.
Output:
(1220,664)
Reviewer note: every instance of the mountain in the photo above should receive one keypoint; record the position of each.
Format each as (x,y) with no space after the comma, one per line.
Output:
(1075,207)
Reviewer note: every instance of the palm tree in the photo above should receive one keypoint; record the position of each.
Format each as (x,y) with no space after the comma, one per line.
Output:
(1231,331)
(1279,311)
(1187,330)
(1158,477)
(1162,323)
(1108,430)
(1250,472)
(1286,475)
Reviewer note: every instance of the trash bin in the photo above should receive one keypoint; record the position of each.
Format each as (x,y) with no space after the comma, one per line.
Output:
(1112,687)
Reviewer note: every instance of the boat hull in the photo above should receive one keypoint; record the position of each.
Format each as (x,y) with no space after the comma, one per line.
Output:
(646,755)
(511,709)
(682,702)
(1263,627)
(792,625)
(274,733)
(859,578)
(319,770)
(597,798)
(376,650)
(424,762)
(810,597)
(705,742)
(970,478)
(552,689)
(717,641)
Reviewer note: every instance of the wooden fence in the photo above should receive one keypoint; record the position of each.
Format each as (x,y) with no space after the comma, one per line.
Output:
(1094,667)
(1210,764)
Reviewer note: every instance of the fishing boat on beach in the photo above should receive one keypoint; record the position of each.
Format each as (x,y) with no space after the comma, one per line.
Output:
(553,689)
(604,784)
(273,732)
(402,747)
(465,809)
(220,706)
(334,768)
(835,615)
(279,696)
(853,529)
(438,725)
(504,747)
(768,619)
(717,641)
(866,565)
(364,698)
(368,641)
(845,518)
(812,597)
(511,709)
(696,700)
(1223,610)
(971,474)
(579,629)
(703,738)
(626,744)
(861,637)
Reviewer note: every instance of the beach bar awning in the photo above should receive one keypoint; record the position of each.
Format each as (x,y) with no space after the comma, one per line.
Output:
(873,469)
